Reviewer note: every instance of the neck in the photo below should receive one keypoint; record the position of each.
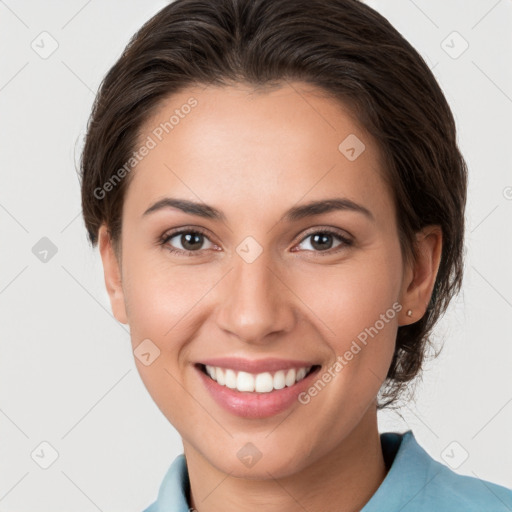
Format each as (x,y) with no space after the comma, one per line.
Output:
(343,480)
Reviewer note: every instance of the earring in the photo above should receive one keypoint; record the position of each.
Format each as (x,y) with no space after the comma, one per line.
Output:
(409,312)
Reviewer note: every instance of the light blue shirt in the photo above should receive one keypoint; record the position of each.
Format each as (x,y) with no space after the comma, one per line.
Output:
(415,482)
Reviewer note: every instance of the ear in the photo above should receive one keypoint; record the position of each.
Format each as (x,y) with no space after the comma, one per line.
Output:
(112,273)
(420,277)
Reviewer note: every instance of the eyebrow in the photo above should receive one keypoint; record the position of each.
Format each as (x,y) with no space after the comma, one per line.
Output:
(293,214)
(199,209)
(325,206)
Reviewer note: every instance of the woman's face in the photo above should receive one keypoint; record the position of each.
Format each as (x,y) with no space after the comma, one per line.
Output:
(266,286)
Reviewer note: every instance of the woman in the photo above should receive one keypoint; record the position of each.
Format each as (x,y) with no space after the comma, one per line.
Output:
(278,199)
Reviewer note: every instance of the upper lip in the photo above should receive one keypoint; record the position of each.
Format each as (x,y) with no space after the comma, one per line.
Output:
(256,365)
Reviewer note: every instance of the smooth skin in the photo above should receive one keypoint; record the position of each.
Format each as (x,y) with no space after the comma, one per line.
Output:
(253,155)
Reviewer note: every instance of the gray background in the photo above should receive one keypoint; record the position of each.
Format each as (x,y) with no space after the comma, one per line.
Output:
(67,373)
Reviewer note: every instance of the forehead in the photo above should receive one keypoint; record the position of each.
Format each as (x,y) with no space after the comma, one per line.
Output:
(237,145)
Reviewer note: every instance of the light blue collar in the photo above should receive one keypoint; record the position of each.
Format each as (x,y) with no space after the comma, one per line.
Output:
(415,482)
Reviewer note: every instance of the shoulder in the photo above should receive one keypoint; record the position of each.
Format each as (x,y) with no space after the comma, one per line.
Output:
(462,492)
(172,494)
(416,483)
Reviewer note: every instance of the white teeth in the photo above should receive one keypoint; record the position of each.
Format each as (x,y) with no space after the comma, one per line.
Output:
(211,371)
(279,380)
(230,379)
(264,383)
(219,372)
(244,382)
(301,374)
(260,383)
(290,377)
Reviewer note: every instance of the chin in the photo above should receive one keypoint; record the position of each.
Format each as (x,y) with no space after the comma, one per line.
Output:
(253,461)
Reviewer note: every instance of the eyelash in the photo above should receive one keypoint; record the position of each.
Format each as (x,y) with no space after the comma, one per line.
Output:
(346,242)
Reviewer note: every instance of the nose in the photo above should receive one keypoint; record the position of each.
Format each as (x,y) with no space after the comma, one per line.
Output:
(255,303)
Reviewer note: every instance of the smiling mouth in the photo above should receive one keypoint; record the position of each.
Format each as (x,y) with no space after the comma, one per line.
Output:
(264,382)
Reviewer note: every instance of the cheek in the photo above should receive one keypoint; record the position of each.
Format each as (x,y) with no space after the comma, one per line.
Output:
(356,310)
(159,295)
(350,297)
(159,302)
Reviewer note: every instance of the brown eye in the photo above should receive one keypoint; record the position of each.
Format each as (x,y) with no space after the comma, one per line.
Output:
(322,241)
(186,241)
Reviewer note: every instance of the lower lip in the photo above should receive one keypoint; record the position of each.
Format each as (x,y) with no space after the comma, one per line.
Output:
(255,405)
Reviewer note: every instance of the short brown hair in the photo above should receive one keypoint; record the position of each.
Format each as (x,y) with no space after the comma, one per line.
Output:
(341,46)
